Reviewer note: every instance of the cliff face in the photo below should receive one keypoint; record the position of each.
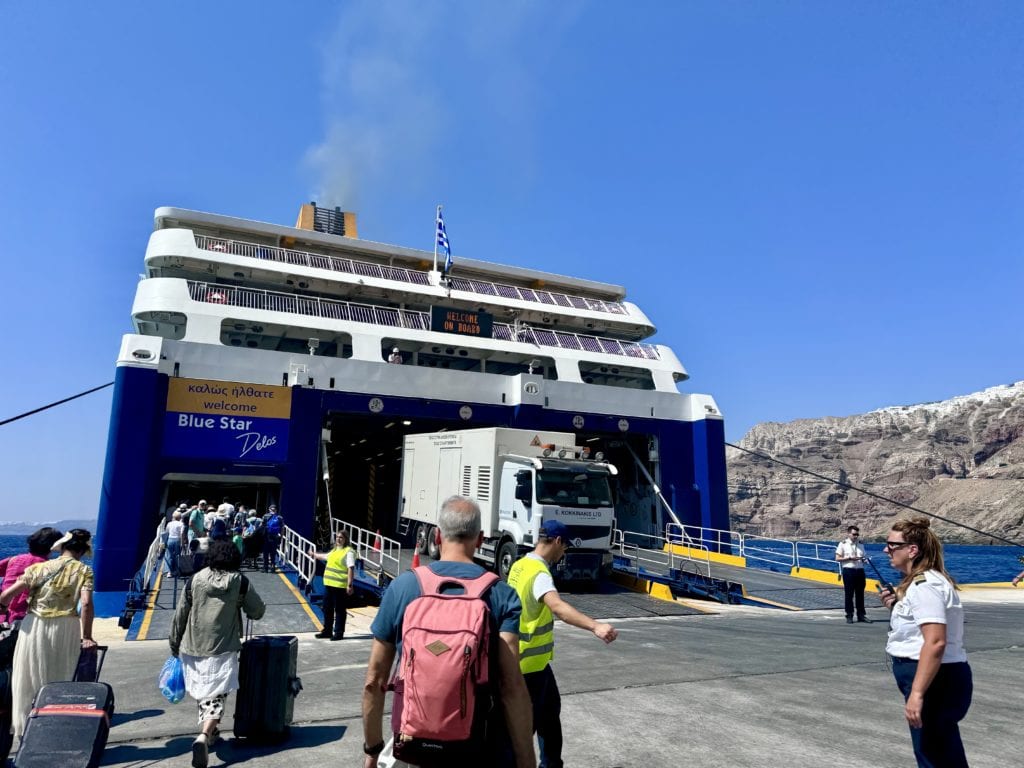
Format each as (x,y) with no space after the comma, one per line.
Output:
(961,458)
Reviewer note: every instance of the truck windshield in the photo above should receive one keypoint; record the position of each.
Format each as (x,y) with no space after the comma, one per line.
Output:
(573,489)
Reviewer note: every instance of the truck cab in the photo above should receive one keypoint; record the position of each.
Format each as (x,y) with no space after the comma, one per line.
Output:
(576,493)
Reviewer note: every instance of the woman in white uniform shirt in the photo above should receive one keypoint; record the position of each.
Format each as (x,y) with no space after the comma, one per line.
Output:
(926,645)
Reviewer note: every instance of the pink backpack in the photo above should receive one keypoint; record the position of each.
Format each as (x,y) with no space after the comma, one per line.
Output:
(445,662)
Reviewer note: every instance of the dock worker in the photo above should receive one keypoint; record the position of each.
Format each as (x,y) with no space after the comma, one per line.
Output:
(395,356)
(338,573)
(850,555)
(531,578)
(926,643)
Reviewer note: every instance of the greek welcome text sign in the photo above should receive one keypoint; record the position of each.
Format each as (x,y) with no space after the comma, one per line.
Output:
(227,420)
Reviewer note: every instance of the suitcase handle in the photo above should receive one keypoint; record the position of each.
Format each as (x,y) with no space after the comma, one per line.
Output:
(84,668)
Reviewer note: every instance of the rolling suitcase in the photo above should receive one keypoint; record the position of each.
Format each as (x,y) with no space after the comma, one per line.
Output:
(68,725)
(268,685)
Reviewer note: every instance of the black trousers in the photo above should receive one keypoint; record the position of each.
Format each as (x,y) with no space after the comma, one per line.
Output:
(853,586)
(547,712)
(270,544)
(937,742)
(335,600)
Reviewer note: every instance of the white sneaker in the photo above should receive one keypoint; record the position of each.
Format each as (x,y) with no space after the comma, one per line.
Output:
(200,752)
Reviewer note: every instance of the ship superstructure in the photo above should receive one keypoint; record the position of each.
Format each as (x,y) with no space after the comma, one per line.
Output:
(259,371)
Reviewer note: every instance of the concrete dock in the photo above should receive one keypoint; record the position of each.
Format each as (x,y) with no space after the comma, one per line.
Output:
(737,687)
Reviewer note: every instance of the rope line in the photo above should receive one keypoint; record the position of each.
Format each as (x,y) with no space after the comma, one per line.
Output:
(874,495)
(59,402)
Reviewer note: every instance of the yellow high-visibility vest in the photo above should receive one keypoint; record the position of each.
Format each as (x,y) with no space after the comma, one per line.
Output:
(336,571)
(536,623)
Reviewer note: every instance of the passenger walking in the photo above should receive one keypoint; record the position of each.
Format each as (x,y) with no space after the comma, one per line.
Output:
(850,554)
(531,578)
(338,572)
(460,533)
(926,633)
(273,525)
(206,635)
(53,634)
(175,532)
(39,546)
(197,521)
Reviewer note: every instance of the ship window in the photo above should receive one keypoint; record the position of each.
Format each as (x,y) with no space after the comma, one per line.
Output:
(616,376)
(236,332)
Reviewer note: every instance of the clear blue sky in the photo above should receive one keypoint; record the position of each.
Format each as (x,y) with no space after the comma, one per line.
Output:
(818,204)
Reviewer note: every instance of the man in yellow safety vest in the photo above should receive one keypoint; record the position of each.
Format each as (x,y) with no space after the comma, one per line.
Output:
(338,572)
(531,578)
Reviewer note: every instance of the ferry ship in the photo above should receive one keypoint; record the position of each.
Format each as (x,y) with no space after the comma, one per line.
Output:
(276,364)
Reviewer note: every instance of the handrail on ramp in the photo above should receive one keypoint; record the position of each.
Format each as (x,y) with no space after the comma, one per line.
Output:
(380,555)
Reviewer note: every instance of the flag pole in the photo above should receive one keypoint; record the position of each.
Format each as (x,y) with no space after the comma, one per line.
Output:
(436,216)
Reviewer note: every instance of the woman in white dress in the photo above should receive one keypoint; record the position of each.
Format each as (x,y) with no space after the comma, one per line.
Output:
(207,635)
(53,633)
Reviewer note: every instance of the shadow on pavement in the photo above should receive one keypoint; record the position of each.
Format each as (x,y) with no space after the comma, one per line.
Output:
(127,717)
(228,751)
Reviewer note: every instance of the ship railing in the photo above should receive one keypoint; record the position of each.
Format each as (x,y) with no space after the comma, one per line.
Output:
(416,277)
(653,552)
(297,551)
(817,554)
(334,309)
(773,552)
(380,555)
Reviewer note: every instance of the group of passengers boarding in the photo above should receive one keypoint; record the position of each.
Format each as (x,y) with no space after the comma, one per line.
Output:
(52,601)
(190,529)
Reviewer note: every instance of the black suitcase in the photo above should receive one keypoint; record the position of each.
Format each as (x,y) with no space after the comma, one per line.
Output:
(6,705)
(268,685)
(68,726)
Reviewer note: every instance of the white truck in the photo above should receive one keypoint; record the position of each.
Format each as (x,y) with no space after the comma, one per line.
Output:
(519,478)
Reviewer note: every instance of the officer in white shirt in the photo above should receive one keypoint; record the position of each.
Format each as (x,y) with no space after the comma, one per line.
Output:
(926,643)
(850,554)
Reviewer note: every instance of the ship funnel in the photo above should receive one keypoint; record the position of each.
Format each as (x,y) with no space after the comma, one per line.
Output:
(330,221)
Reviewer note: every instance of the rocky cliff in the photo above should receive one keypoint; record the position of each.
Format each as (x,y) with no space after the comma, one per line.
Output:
(961,458)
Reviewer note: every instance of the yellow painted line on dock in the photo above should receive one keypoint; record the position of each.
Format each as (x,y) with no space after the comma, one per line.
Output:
(989,585)
(144,629)
(772,603)
(302,601)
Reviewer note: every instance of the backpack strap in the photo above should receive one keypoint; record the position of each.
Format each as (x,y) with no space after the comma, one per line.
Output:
(431,583)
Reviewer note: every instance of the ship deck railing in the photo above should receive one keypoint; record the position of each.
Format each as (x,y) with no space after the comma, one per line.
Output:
(401,274)
(334,309)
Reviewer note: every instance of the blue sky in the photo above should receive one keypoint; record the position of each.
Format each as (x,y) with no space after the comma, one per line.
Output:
(818,204)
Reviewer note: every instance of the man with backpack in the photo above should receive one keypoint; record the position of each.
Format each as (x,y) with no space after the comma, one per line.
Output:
(457,626)
(531,578)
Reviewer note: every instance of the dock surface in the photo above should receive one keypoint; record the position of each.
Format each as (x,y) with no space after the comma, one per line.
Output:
(740,687)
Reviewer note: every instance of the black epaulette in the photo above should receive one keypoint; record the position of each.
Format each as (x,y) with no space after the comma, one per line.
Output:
(921,579)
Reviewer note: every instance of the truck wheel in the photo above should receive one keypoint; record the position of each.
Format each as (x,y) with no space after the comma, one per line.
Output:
(433,549)
(507,555)
(421,538)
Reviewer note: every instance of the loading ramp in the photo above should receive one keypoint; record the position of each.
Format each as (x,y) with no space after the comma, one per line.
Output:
(688,567)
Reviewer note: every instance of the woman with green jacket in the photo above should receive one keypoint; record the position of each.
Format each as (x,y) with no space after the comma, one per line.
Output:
(207,635)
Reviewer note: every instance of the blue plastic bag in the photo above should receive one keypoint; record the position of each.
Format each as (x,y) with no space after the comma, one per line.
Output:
(172,680)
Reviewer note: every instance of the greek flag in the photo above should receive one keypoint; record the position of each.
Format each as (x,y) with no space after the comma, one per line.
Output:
(442,242)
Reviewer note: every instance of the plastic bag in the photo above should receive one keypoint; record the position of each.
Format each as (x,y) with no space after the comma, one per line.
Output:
(172,680)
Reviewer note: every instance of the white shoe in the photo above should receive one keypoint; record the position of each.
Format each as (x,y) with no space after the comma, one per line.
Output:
(200,752)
